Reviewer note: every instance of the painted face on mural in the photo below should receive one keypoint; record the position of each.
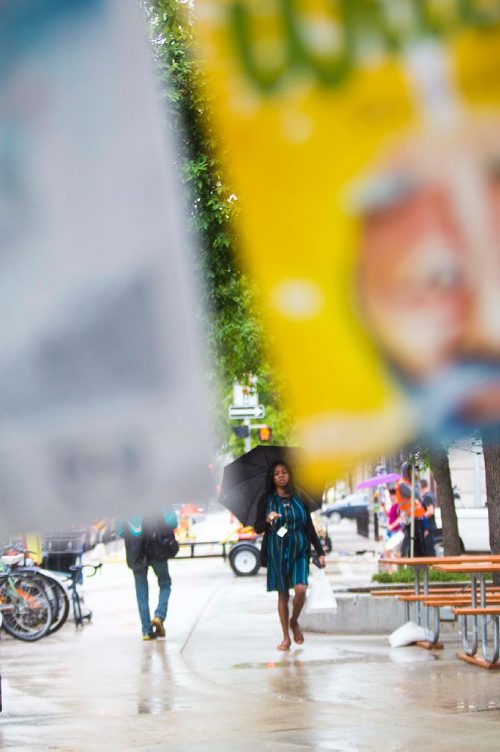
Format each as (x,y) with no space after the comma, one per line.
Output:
(429,271)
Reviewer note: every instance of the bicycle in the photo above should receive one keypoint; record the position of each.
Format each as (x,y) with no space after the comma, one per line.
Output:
(24,605)
(74,579)
(17,559)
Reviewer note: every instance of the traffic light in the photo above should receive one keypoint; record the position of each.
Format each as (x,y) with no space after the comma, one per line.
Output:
(242,432)
(265,433)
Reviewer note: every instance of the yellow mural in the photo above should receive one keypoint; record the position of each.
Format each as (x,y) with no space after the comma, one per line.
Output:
(362,140)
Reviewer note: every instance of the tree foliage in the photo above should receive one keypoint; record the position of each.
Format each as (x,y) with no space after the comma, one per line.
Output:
(227,296)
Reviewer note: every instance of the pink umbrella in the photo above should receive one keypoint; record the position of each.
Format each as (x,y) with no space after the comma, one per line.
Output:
(378,480)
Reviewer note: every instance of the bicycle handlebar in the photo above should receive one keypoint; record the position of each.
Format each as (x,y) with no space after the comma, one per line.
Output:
(80,567)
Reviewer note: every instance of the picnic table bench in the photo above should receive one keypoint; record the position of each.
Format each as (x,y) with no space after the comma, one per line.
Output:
(487,608)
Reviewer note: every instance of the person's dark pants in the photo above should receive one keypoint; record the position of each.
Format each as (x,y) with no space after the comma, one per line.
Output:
(419,544)
(430,549)
(405,546)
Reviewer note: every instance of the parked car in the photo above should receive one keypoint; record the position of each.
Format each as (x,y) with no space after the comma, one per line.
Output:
(347,508)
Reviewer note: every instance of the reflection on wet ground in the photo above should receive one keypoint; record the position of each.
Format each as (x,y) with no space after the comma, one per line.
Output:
(473,707)
(295,661)
(344,656)
(218,684)
(154,685)
(343,676)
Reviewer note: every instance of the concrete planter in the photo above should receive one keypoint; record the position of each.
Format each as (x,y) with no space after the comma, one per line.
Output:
(357,613)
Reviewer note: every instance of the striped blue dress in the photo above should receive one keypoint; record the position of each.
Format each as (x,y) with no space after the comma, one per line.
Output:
(288,556)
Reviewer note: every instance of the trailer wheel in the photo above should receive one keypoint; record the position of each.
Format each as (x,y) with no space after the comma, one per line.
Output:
(244,559)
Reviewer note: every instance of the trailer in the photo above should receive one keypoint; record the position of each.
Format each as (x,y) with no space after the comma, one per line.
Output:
(243,554)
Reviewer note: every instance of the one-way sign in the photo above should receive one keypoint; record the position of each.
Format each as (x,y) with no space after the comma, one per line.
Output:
(247,411)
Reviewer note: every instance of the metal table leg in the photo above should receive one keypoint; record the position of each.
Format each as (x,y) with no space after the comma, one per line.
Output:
(418,613)
(471,649)
(432,635)
(429,634)
(490,657)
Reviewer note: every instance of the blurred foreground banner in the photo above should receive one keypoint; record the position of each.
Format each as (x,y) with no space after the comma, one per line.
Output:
(101,409)
(362,138)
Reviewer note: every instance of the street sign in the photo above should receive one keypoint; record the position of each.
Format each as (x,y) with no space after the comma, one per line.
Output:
(247,411)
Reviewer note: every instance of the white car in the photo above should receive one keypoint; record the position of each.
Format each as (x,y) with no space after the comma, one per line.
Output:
(473,528)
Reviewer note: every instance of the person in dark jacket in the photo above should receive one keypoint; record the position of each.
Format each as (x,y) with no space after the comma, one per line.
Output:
(135,533)
(410,476)
(288,535)
(429,504)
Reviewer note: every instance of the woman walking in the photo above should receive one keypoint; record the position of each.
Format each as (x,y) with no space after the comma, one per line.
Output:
(288,535)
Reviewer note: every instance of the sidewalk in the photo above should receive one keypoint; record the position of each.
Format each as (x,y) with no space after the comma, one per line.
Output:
(343,693)
(218,684)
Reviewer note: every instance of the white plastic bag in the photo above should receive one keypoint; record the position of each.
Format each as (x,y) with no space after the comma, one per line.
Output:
(394,541)
(406,635)
(320,598)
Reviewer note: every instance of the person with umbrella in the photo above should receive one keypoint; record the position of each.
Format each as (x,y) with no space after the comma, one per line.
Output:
(288,535)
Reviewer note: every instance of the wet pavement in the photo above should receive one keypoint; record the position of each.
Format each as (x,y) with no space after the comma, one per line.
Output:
(218,683)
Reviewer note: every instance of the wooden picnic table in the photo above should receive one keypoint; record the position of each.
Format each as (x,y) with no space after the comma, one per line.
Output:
(488,607)
(421,565)
(429,560)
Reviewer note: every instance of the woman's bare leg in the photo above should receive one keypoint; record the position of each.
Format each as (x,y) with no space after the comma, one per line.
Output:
(297,606)
(283,599)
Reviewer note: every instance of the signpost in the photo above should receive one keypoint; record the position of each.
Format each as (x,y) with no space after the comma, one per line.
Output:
(246,406)
(246,411)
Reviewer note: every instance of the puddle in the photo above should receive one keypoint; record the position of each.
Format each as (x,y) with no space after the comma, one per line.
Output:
(269,665)
(339,660)
(472,707)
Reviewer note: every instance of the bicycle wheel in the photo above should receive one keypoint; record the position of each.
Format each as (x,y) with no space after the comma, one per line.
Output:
(60,608)
(27,613)
(56,593)
(58,599)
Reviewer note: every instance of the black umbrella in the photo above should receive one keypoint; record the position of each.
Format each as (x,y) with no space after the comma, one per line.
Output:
(243,482)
